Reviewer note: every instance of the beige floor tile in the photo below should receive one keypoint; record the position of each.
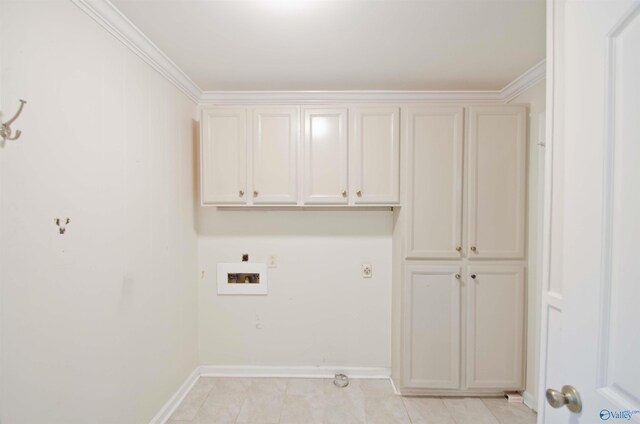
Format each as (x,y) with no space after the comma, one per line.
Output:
(188,409)
(264,401)
(469,411)
(510,413)
(427,411)
(224,401)
(344,405)
(306,387)
(385,410)
(375,387)
(303,409)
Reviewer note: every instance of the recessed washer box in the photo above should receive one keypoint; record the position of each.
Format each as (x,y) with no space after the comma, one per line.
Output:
(242,278)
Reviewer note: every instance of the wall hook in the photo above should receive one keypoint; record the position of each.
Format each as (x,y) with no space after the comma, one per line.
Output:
(5,128)
(61,223)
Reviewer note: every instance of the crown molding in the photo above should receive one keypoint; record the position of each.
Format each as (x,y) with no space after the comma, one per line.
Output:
(524,82)
(109,17)
(373,96)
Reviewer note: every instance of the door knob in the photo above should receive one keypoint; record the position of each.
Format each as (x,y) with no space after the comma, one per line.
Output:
(458,248)
(344,193)
(241,193)
(568,396)
(473,276)
(255,193)
(359,193)
(473,248)
(457,276)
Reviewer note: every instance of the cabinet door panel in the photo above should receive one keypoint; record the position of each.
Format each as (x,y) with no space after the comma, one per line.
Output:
(275,144)
(434,182)
(325,156)
(223,156)
(495,327)
(375,155)
(496,182)
(432,327)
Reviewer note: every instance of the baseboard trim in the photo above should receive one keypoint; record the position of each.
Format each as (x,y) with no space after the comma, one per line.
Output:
(292,372)
(167,410)
(530,401)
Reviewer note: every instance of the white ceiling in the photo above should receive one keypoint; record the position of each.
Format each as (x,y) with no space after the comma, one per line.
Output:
(225,45)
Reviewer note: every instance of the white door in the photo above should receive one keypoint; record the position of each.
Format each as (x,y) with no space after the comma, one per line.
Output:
(495,326)
(325,156)
(223,156)
(374,163)
(496,182)
(591,293)
(433,140)
(432,327)
(276,133)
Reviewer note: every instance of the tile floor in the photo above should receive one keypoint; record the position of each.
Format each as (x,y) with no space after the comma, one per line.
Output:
(318,401)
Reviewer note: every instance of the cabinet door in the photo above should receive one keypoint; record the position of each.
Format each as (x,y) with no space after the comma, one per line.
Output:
(495,327)
(276,132)
(496,182)
(325,156)
(434,182)
(223,156)
(374,163)
(432,327)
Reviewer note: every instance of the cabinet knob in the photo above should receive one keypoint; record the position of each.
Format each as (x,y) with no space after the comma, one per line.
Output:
(359,193)
(241,193)
(458,248)
(457,276)
(473,276)
(255,193)
(473,248)
(344,193)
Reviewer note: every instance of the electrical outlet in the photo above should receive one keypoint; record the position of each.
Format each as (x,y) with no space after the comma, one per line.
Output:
(367,271)
(272,261)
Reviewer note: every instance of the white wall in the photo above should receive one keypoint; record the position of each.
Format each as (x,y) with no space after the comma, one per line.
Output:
(99,324)
(535,98)
(319,310)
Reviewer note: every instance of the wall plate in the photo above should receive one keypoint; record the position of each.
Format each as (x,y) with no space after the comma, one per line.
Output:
(242,278)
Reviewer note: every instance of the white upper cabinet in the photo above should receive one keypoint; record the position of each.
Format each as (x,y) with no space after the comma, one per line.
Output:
(276,135)
(325,156)
(224,156)
(495,327)
(496,181)
(431,324)
(374,163)
(434,181)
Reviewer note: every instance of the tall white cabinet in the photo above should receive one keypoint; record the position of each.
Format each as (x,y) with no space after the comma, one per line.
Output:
(459,290)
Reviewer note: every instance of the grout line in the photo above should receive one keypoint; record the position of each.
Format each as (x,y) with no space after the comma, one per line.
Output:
(205,398)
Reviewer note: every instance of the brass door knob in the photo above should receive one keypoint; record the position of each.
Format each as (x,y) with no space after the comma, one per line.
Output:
(344,193)
(568,396)
(457,276)
(473,248)
(458,248)
(359,193)
(241,193)
(255,193)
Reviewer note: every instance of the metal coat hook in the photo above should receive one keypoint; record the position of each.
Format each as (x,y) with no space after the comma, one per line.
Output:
(61,223)
(5,128)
